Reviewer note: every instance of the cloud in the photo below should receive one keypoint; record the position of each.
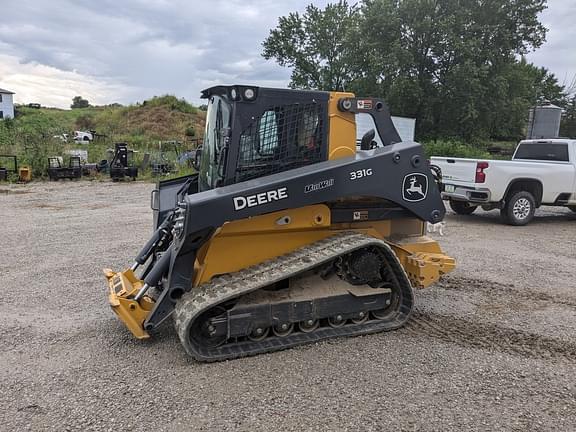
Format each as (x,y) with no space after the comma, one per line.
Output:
(558,54)
(125,51)
(135,49)
(49,86)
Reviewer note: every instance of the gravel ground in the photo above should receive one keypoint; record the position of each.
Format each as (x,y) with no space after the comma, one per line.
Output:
(492,347)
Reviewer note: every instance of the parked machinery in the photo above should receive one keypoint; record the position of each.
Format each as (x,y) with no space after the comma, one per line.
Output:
(122,165)
(8,164)
(165,159)
(57,170)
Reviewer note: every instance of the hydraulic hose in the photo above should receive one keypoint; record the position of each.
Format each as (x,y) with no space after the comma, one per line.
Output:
(160,234)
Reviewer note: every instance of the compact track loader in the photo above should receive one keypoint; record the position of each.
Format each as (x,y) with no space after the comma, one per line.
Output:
(290,233)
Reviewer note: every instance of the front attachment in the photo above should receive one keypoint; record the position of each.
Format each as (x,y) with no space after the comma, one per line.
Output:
(122,287)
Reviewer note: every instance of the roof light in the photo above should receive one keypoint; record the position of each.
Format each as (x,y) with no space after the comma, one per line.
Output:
(249,93)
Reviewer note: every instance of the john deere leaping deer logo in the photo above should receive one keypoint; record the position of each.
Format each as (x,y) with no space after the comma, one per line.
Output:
(415,187)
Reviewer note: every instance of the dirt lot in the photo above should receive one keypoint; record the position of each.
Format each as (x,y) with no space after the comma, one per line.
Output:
(493,347)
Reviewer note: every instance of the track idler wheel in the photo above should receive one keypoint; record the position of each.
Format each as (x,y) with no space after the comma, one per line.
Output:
(283,329)
(382,314)
(360,318)
(204,333)
(258,334)
(336,321)
(308,326)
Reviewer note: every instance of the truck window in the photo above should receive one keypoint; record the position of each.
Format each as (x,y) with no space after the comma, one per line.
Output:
(546,151)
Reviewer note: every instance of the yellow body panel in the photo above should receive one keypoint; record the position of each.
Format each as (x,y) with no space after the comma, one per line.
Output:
(423,261)
(342,138)
(247,242)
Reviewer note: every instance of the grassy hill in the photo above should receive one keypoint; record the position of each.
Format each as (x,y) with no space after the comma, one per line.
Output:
(30,136)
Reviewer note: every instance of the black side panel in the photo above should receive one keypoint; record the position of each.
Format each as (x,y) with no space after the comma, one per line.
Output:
(385,173)
(165,196)
(397,173)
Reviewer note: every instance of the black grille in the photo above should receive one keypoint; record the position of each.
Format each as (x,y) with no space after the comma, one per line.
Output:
(282,138)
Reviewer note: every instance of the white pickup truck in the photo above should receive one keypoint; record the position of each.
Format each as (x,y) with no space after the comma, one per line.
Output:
(541,172)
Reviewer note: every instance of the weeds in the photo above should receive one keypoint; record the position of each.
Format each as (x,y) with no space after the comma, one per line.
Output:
(455,148)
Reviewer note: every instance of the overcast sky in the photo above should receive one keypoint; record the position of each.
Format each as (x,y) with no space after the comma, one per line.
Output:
(129,50)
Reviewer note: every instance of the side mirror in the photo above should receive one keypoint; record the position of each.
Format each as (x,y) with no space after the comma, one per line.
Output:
(197,158)
(367,140)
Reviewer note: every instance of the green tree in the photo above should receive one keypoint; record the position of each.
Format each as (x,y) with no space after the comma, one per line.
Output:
(317,45)
(454,65)
(568,125)
(518,87)
(448,57)
(79,102)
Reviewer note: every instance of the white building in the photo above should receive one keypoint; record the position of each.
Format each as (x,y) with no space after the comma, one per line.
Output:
(6,104)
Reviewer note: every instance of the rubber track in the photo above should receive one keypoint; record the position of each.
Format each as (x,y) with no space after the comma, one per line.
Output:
(230,286)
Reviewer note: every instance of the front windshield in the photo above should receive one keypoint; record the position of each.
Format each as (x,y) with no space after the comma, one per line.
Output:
(217,123)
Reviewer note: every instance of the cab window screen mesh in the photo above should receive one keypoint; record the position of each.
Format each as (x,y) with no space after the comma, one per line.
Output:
(282,138)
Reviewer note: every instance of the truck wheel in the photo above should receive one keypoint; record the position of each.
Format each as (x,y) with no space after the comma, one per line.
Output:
(519,209)
(462,207)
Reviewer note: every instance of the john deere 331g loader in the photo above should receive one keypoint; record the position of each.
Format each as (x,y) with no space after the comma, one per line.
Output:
(290,233)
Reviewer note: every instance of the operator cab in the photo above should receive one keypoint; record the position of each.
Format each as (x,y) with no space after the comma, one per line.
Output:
(253,132)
